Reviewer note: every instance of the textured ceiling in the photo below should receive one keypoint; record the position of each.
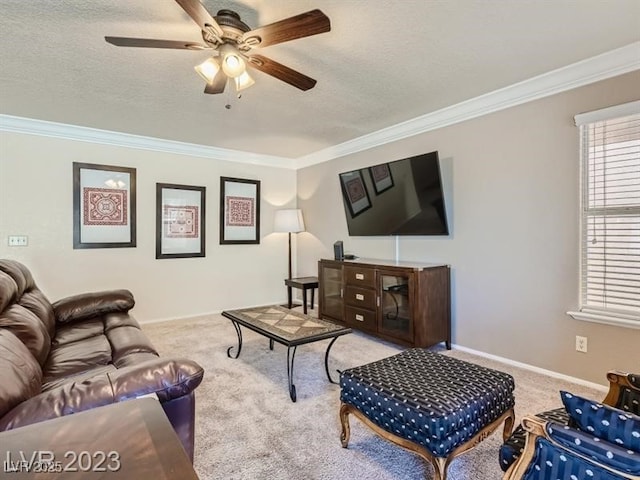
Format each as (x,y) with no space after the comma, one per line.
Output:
(382,63)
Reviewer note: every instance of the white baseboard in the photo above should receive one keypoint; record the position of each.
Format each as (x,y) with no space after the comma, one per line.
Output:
(532,368)
(205,314)
(171,319)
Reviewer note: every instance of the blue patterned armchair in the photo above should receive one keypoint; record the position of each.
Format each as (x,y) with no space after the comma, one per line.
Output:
(597,442)
(624,393)
(560,452)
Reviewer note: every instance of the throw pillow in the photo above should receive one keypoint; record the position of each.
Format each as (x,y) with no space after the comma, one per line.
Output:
(602,421)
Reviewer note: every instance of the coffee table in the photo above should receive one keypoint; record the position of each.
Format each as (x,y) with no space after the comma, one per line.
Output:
(287,327)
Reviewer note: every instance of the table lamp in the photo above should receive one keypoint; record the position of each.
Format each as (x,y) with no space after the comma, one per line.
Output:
(290,221)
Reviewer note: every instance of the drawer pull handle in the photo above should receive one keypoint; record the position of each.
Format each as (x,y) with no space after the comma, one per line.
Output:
(359,296)
(359,317)
(359,276)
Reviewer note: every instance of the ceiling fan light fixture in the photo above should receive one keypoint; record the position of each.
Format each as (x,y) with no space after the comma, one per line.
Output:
(243,81)
(232,41)
(208,70)
(232,63)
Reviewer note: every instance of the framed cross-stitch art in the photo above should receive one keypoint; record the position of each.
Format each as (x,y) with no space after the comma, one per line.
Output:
(104,206)
(239,211)
(180,221)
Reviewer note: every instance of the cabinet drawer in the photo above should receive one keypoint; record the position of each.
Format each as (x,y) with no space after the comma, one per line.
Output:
(360,318)
(365,277)
(360,297)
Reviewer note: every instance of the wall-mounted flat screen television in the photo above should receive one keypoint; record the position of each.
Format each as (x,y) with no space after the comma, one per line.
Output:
(402,197)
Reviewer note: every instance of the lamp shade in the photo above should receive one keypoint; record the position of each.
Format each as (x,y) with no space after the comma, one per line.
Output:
(243,81)
(288,220)
(208,70)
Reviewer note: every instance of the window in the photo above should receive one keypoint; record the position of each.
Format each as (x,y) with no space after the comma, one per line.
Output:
(610,223)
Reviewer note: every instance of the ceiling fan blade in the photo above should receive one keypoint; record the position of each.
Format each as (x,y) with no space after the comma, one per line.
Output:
(153,43)
(201,16)
(281,72)
(219,82)
(299,26)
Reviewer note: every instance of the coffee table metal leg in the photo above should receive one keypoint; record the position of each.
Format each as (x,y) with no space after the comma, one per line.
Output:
(239,333)
(271,344)
(326,360)
(290,358)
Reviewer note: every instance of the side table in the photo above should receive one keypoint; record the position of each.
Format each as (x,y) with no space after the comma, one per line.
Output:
(130,439)
(304,284)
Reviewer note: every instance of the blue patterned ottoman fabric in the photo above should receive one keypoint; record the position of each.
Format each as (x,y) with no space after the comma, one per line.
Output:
(512,448)
(433,400)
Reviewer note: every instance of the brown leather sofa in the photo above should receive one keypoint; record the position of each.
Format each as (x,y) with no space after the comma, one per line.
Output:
(82,352)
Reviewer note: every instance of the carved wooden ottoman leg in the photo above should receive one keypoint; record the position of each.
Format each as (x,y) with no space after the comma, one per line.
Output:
(344,420)
(508,425)
(440,467)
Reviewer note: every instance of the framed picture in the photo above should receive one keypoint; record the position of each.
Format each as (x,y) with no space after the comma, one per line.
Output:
(104,206)
(239,211)
(381,177)
(355,192)
(180,221)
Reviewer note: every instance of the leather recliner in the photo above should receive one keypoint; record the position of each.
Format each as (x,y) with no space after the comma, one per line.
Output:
(82,352)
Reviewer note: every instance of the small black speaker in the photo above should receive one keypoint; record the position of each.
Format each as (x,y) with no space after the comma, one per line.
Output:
(338,251)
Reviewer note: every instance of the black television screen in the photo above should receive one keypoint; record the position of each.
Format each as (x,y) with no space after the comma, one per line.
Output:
(403,197)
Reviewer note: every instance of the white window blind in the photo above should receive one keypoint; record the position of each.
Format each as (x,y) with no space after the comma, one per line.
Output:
(610,239)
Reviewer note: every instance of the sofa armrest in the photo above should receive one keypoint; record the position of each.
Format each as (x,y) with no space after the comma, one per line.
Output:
(168,378)
(89,305)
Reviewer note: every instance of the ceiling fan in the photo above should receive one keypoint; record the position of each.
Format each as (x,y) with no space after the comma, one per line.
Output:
(233,43)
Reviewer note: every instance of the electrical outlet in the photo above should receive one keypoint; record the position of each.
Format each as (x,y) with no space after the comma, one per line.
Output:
(18,240)
(581,344)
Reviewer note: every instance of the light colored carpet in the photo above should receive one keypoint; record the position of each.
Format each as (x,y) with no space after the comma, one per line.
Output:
(248,428)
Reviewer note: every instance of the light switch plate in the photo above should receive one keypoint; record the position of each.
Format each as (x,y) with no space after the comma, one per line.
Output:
(581,344)
(18,240)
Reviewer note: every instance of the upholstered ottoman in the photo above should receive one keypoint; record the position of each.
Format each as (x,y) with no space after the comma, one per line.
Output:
(431,404)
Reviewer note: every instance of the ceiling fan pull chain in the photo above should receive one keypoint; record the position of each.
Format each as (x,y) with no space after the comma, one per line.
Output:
(227,104)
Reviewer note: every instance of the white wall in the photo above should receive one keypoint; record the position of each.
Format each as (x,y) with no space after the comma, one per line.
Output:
(512,196)
(36,200)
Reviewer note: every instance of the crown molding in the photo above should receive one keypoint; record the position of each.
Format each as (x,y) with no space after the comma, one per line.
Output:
(30,126)
(607,65)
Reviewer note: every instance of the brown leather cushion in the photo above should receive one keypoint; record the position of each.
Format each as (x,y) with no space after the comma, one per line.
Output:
(94,304)
(8,290)
(20,373)
(108,339)
(49,383)
(20,274)
(25,325)
(74,332)
(72,358)
(24,309)
(36,302)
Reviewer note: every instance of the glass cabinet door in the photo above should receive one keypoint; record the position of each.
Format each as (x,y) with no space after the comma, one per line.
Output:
(331,291)
(395,309)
